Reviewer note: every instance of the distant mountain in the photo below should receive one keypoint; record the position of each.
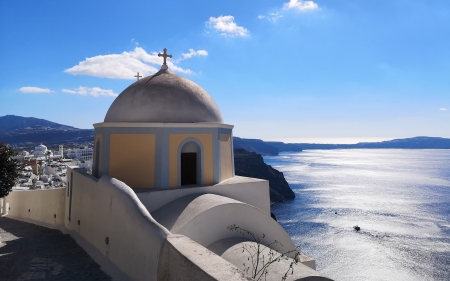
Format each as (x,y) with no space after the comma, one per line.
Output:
(411,143)
(27,132)
(273,148)
(255,145)
(10,123)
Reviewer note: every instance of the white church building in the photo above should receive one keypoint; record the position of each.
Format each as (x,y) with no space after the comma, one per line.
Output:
(163,192)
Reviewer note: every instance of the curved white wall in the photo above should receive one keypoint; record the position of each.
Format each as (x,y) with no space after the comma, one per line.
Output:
(252,191)
(205,217)
(300,271)
(183,259)
(110,209)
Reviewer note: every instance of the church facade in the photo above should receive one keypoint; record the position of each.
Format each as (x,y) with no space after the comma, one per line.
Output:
(163,192)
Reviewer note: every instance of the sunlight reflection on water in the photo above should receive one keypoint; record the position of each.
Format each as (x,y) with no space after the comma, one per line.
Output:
(399,198)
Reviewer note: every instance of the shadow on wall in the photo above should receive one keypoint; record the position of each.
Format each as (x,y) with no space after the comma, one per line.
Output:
(32,251)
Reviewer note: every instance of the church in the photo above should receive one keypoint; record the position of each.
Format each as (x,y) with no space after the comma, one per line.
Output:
(163,198)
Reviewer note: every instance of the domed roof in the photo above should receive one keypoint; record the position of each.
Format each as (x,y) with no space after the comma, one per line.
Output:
(164,98)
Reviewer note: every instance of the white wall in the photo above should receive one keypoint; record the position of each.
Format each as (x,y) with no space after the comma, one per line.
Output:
(108,208)
(205,217)
(252,191)
(52,171)
(183,259)
(276,270)
(37,205)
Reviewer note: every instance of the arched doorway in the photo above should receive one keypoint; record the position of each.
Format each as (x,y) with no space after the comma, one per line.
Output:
(190,163)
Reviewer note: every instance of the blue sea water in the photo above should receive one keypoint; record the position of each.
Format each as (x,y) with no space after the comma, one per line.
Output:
(399,197)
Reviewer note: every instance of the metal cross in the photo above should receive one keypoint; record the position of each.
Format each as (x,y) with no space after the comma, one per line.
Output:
(165,56)
(137,76)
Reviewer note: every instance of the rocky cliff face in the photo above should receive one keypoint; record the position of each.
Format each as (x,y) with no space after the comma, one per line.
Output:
(250,164)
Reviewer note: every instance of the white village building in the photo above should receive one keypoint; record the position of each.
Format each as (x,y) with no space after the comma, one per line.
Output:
(82,154)
(163,192)
(41,151)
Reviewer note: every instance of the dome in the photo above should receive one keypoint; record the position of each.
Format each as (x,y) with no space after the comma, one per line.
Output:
(164,98)
(40,147)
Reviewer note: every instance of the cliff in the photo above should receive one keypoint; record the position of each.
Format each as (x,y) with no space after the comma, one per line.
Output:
(251,164)
(255,145)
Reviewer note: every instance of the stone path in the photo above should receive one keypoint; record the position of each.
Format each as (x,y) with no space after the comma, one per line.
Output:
(31,252)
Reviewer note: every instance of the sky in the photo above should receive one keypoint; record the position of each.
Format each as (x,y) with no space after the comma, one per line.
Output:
(326,71)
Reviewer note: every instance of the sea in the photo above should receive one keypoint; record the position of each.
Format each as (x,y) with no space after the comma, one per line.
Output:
(400,199)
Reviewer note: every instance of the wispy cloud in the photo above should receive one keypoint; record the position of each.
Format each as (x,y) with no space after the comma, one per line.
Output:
(87,91)
(272,17)
(124,65)
(135,42)
(300,5)
(227,26)
(443,109)
(194,53)
(35,90)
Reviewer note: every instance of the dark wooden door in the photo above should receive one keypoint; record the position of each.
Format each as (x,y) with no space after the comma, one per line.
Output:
(188,168)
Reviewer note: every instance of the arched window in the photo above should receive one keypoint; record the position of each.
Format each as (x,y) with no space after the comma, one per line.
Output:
(190,162)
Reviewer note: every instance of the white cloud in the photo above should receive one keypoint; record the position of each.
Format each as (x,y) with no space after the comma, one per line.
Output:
(227,26)
(300,5)
(33,90)
(194,53)
(124,65)
(443,109)
(273,17)
(87,91)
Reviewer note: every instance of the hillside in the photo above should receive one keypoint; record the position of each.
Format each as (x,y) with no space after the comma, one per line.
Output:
(10,123)
(27,132)
(273,148)
(255,145)
(408,143)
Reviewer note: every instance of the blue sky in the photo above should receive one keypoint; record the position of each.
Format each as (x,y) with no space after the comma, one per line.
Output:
(290,70)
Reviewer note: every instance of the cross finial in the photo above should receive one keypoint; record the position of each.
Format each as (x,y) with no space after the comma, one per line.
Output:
(165,56)
(137,76)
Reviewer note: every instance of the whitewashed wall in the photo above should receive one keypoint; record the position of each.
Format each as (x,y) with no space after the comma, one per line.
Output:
(42,205)
(252,191)
(108,214)
(182,259)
